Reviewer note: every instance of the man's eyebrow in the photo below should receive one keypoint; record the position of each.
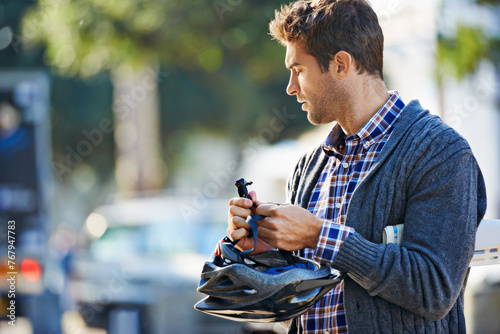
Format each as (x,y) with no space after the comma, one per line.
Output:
(292,65)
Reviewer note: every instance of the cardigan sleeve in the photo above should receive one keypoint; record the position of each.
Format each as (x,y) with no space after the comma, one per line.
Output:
(427,272)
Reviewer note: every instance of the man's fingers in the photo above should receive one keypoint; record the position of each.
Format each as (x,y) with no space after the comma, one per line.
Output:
(264,233)
(239,211)
(253,196)
(237,234)
(237,222)
(268,209)
(241,202)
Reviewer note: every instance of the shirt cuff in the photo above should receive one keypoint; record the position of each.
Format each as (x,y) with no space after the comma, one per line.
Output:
(331,238)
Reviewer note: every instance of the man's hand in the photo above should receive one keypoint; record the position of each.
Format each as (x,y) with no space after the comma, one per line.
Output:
(288,227)
(239,209)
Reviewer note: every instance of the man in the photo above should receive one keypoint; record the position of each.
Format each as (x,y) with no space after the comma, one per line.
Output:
(384,163)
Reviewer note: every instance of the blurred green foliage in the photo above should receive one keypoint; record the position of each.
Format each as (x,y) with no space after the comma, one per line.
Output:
(461,54)
(488,2)
(83,37)
(225,74)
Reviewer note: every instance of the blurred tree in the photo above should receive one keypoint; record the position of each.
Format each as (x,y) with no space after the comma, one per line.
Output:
(461,54)
(211,46)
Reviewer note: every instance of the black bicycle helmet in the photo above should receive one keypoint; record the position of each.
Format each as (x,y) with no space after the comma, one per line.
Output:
(273,286)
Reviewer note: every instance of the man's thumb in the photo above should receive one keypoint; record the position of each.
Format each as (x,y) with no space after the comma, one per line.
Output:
(253,197)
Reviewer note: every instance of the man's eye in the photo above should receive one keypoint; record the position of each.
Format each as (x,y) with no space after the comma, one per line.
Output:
(297,72)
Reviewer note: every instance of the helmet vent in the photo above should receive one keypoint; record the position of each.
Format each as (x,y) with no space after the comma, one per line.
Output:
(250,291)
(306,296)
(226,281)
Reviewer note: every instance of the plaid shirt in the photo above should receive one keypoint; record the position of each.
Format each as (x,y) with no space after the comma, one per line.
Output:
(350,160)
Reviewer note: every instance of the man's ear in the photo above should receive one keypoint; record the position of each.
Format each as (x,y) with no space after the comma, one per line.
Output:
(341,65)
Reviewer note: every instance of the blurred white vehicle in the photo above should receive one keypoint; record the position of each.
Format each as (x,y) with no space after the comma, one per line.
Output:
(141,265)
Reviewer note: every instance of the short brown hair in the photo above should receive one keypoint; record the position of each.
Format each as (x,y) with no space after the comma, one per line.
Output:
(325,27)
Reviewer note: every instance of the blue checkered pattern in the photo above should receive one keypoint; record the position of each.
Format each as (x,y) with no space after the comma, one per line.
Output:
(350,160)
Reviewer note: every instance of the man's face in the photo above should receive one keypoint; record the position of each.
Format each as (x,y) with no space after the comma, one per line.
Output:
(323,97)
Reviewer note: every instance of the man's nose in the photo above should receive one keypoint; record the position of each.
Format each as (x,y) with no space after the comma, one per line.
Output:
(293,85)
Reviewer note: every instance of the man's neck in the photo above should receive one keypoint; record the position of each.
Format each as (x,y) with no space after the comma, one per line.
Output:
(366,101)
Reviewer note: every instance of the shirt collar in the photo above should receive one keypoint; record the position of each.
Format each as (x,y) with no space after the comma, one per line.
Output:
(335,142)
(376,127)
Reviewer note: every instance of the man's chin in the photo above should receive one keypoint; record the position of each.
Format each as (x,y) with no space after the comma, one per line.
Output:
(314,120)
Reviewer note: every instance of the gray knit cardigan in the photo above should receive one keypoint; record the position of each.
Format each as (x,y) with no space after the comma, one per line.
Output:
(426,178)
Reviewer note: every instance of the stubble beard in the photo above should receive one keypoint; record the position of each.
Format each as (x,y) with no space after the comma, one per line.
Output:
(328,105)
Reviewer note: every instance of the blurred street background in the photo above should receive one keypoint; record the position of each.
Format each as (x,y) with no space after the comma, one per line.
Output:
(124,124)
